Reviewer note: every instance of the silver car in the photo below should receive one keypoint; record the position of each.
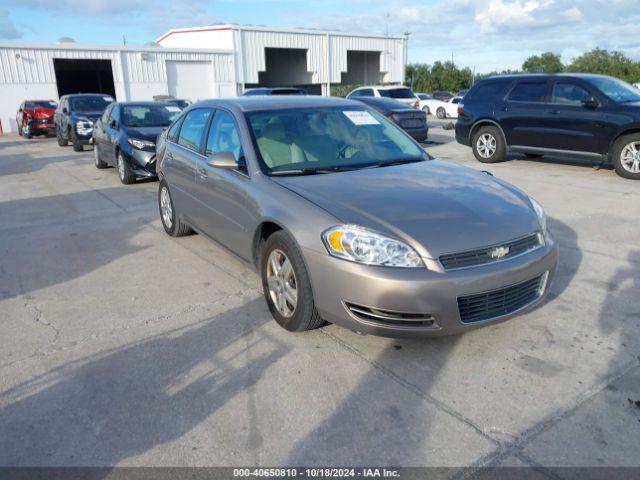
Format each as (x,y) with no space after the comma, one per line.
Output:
(349,221)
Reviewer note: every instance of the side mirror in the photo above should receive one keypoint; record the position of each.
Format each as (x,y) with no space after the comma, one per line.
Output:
(65,111)
(113,124)
(591,102)
(224,160)
(20,110)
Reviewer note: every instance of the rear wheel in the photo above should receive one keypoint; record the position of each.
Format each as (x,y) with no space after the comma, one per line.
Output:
(488,145)
(61,140)
(126,177)
(286,285)
(426,110)
(626,156)
(170,219)
(96,158)
(441,113)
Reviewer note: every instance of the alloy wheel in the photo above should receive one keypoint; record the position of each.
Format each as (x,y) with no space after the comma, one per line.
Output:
(630,157)
(281,280)
(166,209)
(486,145)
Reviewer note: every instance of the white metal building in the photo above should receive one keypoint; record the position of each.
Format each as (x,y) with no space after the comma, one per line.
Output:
(197,63)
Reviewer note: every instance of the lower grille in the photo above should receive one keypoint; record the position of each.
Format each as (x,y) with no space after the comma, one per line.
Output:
(504,301)
(386,317)
(494,253)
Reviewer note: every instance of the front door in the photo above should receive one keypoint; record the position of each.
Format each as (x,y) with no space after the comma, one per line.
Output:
(222,193)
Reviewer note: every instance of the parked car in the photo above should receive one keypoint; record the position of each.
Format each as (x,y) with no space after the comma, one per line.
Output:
(586,116)
(125,137)
(35,117)
(441,109)
(75,116)
(408,118)
(275,91)
(179,102)
(442,95)
(326,192)
(399,93)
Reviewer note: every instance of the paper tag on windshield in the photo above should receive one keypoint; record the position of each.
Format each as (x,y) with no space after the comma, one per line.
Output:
(172,109)
(361,117)
(107,99)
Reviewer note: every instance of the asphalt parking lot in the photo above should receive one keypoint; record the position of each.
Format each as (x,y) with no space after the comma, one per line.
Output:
(122,346)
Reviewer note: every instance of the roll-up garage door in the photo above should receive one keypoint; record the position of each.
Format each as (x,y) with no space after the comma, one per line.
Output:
(190,80)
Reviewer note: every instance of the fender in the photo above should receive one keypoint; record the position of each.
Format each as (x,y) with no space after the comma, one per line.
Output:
(486,120)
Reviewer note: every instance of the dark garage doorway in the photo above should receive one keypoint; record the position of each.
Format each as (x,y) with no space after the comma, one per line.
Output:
(286,67)
(84,76)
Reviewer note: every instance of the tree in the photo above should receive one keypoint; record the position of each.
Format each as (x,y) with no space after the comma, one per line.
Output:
(548,62)
(603,62)
(440,76)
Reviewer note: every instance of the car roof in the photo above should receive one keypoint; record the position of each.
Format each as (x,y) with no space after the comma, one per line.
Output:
(388,104)
(148,103)
(383,87)
(512,76)
(88,95)
(267,102)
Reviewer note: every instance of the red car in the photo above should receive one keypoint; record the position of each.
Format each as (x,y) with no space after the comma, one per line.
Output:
(35,117)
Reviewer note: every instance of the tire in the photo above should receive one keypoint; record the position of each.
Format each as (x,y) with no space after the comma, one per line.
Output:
(441,113)
(63,142)
(19,130)
(171,222)
(426,110)
(626,156)
(124,173)
(96,159)
(26,133)
(77,146)
(533,155)
(304,316)
(491,152)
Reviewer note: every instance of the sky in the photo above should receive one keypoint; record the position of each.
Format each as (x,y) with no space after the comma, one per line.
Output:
(484,35)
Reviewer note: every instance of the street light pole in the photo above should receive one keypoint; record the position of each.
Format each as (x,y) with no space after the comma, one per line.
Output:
(406,57)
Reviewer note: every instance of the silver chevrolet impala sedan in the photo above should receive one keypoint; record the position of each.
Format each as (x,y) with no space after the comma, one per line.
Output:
(349,221)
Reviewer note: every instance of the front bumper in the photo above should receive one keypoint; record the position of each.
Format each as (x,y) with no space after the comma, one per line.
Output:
(84,139)
(35,127)
(142,163)
(337,283)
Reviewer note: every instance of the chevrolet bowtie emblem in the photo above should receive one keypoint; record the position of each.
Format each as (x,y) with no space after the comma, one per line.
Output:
(498,252)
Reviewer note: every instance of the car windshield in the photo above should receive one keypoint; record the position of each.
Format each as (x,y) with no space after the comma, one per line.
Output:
(149,115)
(615,89)
(41,104)
(89,104)
(397,93)
(319,140)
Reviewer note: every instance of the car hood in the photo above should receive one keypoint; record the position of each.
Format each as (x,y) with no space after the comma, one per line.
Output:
(40,112)
(436,206)
(93,116)
(145,133)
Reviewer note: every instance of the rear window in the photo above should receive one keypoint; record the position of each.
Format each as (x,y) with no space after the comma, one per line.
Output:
(397,93)
(529,92)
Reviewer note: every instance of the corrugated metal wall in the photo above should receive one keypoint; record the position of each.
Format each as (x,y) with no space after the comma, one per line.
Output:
(252,42)
(35,65)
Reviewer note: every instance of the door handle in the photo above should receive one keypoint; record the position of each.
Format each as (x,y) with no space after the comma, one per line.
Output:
(202,172)
(554,112)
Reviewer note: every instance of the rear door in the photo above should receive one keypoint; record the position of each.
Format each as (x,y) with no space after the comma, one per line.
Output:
(222,193)
(180,161)
(574,126)
(524,115)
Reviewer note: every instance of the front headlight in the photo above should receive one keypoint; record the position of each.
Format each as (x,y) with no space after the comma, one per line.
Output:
(359,245)
(140,144)
(542,218)
(84,127)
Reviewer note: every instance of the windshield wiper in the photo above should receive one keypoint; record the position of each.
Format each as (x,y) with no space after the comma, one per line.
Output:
(392,163)
(307,171)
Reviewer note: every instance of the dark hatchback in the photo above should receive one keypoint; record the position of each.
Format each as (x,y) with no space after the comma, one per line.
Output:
(412,121)
(586,116)
(125,137)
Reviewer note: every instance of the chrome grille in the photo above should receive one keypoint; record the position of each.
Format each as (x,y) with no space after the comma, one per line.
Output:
(504,301)
(494,253)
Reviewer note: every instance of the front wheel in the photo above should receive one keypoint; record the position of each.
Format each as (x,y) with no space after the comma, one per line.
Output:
(26,133)
(126,177)
(626,156)
(441,113)
(77,146)
(286,285)
(488,145)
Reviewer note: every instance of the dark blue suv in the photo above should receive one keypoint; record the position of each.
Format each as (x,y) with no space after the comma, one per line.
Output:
(574,115)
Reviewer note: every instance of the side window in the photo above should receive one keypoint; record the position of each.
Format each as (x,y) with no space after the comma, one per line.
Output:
(224,136)
(529,92)
(384,93)
(192,128)
(367,92)
(114,115)
(357,93)
(105,115)
(172,135)
(569,93)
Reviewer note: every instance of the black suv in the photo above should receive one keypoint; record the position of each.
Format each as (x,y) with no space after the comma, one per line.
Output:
(75,117)
(575,115)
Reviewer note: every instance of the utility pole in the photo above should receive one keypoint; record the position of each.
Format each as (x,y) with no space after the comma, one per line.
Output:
(406,56)
(124,40)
